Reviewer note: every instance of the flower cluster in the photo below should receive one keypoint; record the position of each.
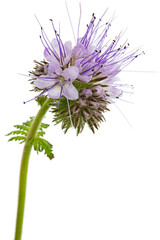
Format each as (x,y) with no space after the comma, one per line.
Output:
(82,79)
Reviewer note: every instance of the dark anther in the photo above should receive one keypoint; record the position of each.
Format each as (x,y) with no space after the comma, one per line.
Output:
(51,19)
(93,16)
(101,66)
(125,47)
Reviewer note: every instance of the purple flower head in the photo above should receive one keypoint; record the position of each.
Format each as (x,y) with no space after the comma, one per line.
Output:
(85,73)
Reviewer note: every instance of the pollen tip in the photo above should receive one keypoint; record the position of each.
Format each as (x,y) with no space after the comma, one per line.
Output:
(51,19)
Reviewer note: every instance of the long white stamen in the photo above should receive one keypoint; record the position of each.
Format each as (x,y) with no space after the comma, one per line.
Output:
(69,110)
(139,71)
(79,22)
(125,100)
(70,21)
(124,116)
(60,96)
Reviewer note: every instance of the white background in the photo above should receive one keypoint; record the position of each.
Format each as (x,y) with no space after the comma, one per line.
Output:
(102,186)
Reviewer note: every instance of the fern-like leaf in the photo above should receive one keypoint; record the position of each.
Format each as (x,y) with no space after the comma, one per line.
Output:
(21,139)
(18,132)
(22,127)
(39,143)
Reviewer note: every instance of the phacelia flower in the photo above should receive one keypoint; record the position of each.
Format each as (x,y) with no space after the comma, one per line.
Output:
(81,80)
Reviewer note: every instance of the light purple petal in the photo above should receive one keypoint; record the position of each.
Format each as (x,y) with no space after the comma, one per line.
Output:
(55,92)
(49,58)
(54,67)
(66,60)
(79,51)
(46,54)
(68,47)
(44,84)
(55,45)
(69,91)
(78,64)
(70,73)
(84,78)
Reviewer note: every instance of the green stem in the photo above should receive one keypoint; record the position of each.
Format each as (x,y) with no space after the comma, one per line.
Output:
(24,167)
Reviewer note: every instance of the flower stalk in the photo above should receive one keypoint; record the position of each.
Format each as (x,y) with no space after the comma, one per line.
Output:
(24,166)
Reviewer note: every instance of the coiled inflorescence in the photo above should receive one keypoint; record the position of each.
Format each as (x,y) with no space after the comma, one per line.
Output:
(81,79)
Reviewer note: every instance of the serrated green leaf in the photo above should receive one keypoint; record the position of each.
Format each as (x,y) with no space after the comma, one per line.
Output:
(41,144)
(40,133)
(22,127)
(44,125)
(18,138)
(29,122)
(19,132)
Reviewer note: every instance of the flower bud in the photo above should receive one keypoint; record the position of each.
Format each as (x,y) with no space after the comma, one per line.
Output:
(98,91)
(86,93)
(93,104)
(81,102)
